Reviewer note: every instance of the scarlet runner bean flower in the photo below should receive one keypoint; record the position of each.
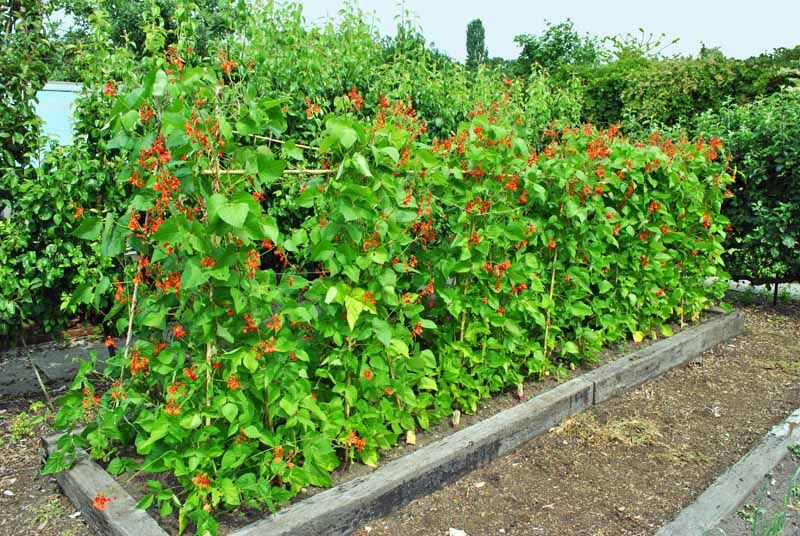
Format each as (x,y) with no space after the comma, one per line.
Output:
(101,500)
(417,331)
(274,323)
(356,98)
(233,382)
(201,481)
(354,441)
(251,324)
(173,408)
(138,363)
(190,372)
(110,89)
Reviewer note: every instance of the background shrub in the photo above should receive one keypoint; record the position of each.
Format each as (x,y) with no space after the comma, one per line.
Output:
(765,213)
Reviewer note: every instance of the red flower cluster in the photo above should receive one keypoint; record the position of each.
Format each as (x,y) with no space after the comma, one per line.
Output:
(274,323)
(252,263)
(110,89)
(201,481)
(356,98)
(173,58)
(417,331)
(233,382)
(138,363)
(354,441)
(156,154)
(190,373)
(100,501)
(251,324)
(311,108)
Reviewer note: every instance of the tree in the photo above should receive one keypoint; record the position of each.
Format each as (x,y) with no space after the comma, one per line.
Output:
(559,46)
(24,47)
(477,53)
(127,27)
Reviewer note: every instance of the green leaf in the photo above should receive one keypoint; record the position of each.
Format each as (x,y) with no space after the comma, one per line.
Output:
(341,132)
(399,346)
(378,256)
(193,275)
(383,332)
(351,394)
(330,296)
(146,502)
(113,241)
(155,319)
(270,168)
(361,164)
(160,84)
(638,336)
(427,383)
(89,229)
(580,309)
(225,127)
(354,309)
(229,411)
(230,493)
(250,362)
(233,214)
(571,348)
(191,421)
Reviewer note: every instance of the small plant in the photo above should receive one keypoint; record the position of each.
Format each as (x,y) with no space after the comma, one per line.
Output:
(21,427)
(760,521)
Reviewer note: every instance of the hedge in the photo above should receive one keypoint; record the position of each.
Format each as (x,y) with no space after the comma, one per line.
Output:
(764,245)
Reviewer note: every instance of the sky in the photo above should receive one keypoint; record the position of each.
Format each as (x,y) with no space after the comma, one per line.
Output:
(740,28)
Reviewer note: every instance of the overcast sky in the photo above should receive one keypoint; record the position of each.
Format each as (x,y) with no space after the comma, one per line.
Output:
(741,28)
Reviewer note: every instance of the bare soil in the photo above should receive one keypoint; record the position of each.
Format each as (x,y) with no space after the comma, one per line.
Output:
(630,464)
(30,504)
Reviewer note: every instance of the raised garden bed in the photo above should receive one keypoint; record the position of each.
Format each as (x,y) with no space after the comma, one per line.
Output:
(345,507)
(629,465)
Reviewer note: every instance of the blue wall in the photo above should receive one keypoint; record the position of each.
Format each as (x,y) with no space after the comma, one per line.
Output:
(55,109)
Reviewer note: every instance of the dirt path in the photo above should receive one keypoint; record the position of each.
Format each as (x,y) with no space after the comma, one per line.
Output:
(632,463)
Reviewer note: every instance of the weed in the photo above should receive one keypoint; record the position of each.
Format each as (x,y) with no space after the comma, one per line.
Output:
(682,455)
(21,427)
(48,512)
(629,432)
